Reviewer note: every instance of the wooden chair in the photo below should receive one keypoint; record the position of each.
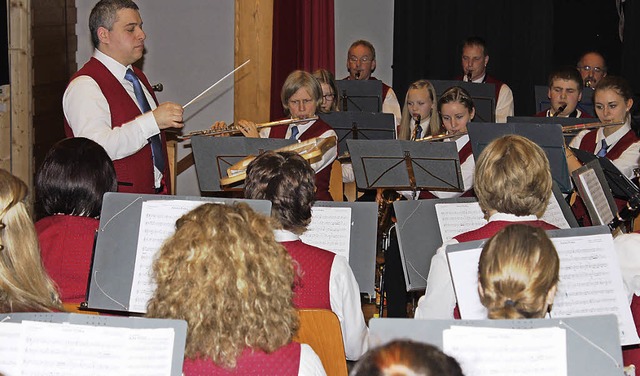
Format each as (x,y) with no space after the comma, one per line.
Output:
(335,181)
(172,157)
(320,329)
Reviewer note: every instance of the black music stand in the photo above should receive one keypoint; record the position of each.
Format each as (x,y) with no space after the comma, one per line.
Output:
(213,155)
(352,125)
(620,185)
(543,103)
(548,136)
(359,95)
(483,94)
(406,165)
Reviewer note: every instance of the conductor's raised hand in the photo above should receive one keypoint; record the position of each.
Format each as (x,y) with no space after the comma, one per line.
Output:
(248,128)
(169,115)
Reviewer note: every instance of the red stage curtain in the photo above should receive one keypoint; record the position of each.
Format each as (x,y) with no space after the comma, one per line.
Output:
(303,38)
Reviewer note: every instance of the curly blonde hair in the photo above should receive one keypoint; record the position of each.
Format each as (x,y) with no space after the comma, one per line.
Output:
(24,284)
(518,267)
(513,176)
(224,273)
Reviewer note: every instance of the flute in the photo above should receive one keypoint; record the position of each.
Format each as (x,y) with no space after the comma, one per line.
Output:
(232,129)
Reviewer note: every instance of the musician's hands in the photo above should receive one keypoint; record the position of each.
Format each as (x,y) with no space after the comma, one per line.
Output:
(379,198)
(220,126)
(248,128)
(169,115)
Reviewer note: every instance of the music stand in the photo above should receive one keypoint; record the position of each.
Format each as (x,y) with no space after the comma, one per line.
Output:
(483,94)
(406,165)
(353,125)
(359,95)
(543,103)
(595,193)
(213,155)
(620,185)
(548,136)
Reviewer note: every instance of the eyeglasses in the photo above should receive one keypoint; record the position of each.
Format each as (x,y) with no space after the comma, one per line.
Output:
(328,97)
(588,68)
(363,60)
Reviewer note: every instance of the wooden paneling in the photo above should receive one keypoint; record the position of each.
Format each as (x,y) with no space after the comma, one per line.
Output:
(253,31)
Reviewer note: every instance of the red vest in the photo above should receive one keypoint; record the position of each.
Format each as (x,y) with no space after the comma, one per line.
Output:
(323,176)
(588,143)
(463,154)
(631,354)
(135,172)
(284,361)
(66,246)
(493,227)
(311,289)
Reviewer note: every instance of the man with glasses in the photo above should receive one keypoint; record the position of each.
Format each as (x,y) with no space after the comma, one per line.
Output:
(361,62)
(592,68)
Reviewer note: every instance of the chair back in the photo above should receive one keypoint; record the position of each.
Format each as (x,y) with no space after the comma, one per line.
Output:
(320,329)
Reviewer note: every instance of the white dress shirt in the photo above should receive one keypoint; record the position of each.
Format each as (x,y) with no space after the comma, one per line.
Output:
(344,296)
(87,112)
(439,300)
(627,161)
(310,363)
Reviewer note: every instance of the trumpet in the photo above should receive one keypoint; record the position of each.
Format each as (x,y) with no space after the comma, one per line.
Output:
(233,129)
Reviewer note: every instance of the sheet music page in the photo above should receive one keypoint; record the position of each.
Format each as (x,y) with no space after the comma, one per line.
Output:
(10,334)
(553,215)
(68,349)
(591,282)
(330,229)
(157,223)
(500,351)
(463,266)
(596,195)
(456,218)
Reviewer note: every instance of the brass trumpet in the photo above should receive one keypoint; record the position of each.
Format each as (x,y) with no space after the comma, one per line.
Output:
(233,129)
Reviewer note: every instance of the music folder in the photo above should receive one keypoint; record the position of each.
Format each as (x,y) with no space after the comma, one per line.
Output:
(548,136)
(592,343)
(595,193)
(359,95)
(353,125)
(214,155)
(483,94)
(406,165)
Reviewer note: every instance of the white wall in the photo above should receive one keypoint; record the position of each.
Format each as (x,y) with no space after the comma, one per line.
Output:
(365,19)
(189,46)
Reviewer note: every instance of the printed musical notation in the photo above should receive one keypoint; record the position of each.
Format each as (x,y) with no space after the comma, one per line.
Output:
(330,229)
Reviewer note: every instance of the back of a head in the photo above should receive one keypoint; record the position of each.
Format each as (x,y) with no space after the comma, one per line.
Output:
(24,285)
(513,176)
(224,273)
(406,358)
(73,178)
(518,268)
(288,181)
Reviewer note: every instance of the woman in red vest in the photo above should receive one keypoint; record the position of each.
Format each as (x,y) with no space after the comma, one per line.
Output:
(70,184)
(224,273)
(24,284)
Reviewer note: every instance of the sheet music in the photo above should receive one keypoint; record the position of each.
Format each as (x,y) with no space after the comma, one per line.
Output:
(595,194)
(157,223)
(499,351)
(554,215)
(457,218)
(68,349)
(9,348)
(330,229)
(590,282)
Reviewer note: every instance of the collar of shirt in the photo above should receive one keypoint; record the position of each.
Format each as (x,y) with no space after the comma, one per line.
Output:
(512,217)
(301,128)
(423,123)
(614,137)
(118,70)
(285,236)
(461,141)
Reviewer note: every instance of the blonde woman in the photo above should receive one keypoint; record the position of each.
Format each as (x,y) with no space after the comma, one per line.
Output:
(518,273)
(224,273)
(24,285)
(419,107)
